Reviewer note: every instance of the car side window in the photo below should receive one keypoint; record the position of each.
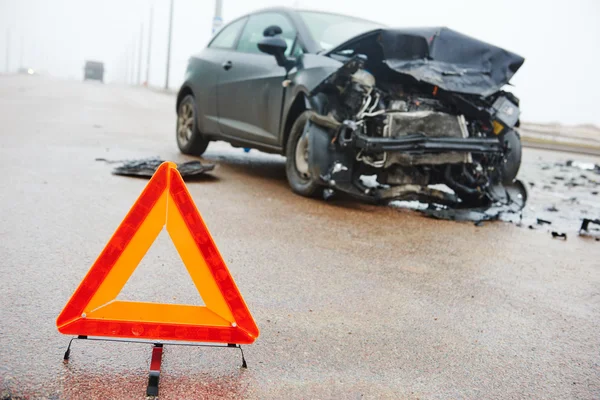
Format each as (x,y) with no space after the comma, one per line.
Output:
(253,32)
(225,39)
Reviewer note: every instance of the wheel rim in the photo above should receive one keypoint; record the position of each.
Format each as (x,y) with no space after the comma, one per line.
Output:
(301,157)
(185,124)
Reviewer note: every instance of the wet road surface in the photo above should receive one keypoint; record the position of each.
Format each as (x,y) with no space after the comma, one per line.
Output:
(352,301)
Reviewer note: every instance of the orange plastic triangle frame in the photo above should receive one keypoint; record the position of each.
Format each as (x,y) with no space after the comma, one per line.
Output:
(93,309)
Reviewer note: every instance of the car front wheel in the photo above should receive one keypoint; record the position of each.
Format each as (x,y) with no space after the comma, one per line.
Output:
(296,165)
(189,139)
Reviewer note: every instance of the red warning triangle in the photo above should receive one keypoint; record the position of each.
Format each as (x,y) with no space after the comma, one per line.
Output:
(93,309)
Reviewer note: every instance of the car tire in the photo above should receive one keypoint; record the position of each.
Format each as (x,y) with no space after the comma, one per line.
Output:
(299,178)
(512,162)
(189,139)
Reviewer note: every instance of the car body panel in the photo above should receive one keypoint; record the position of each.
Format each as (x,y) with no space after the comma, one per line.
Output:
(442,57)
(201,77)
(250,95)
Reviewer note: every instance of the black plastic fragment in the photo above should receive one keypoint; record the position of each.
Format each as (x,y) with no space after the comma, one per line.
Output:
(147,167)
(584,230)
(509,199)
(559,235)
(543,221)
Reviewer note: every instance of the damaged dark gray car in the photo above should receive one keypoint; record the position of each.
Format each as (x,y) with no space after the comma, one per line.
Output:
(381,114)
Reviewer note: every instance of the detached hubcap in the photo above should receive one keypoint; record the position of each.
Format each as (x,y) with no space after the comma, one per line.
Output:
(185,124)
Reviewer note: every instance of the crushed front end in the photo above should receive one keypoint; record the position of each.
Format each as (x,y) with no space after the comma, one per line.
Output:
(381,133)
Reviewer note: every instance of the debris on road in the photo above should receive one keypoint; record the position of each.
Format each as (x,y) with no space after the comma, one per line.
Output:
(438,204)
(586,222)
(559,235)
(586,166)
(147,167)
(585,230)
(564,193)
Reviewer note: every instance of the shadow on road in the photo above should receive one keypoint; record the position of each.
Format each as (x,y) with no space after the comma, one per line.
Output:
(271,169)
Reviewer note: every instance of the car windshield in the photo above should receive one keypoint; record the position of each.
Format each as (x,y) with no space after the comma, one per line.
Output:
(330,30)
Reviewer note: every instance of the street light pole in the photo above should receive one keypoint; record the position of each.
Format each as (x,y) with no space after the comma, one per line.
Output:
(132,71)
(218,18)
(169,45)
(149,44)
(7,51)
(139,71)
(22,49)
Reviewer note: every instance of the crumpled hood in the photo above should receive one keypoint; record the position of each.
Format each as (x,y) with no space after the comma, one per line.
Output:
(448,59)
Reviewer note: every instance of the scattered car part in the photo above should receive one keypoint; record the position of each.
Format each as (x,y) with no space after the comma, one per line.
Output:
(586,222)
(559,235)
(147,167)
(586,166)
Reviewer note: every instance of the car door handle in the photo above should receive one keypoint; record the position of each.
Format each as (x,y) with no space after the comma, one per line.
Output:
(227,65)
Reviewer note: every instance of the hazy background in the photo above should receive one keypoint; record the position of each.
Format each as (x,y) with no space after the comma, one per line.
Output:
(560,40)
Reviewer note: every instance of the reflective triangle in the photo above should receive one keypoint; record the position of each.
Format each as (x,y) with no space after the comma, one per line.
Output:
(93,309)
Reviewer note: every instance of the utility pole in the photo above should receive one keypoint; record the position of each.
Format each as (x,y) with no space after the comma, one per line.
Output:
(149,45)
(7,51)
(125,62)
(139,71)
(169,45)
(132,72)
(218,18)
(22,46)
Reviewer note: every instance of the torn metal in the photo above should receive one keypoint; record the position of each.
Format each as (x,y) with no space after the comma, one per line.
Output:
(418,108)
(147,167)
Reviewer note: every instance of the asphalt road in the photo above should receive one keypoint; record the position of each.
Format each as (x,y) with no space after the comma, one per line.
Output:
(352,301)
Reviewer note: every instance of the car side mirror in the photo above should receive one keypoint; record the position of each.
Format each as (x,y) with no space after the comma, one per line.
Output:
(272,31)
(276,46)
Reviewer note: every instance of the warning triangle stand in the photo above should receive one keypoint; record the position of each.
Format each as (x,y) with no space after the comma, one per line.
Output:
(94,311)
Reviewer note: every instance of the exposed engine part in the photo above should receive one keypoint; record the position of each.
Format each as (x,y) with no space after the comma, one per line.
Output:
(398,105)
(426,123)
(412,135)
(417,192)
(398,175)
(365,79)
(326,121)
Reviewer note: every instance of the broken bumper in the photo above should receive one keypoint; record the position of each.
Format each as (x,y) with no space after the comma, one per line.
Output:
(421,144)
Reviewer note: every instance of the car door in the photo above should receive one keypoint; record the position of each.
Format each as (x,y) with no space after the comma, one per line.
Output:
(203,73)
(250,90)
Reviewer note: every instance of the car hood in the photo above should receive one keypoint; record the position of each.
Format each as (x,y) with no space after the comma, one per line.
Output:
(443,57)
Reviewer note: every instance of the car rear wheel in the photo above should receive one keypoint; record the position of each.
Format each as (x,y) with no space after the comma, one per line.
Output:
(296,165)
(189,139)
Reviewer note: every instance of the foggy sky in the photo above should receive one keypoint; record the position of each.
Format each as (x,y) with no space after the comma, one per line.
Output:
(560,40)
